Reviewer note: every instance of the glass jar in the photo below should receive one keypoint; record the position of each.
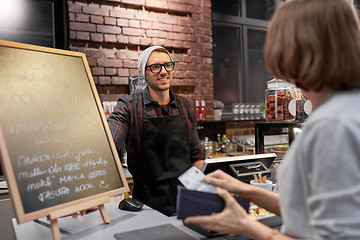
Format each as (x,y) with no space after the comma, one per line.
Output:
(208,146)
(280,102)
(303,106)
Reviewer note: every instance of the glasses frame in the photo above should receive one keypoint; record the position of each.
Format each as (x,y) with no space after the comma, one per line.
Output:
(161,66)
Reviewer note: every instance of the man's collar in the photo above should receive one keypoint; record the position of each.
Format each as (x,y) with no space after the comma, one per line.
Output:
(148,99)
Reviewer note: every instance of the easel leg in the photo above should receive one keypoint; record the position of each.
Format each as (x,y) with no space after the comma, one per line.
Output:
(104,214)
(55,229)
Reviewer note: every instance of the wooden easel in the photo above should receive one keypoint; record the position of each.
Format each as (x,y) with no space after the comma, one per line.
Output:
(53,216)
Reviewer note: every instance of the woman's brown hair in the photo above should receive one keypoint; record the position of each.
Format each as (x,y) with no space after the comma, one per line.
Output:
(315,44)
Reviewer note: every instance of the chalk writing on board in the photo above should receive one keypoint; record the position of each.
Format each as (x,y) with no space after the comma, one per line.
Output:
(41,178)
(70,178)
(50,125)
(103,184)
(51,194)
(39,184)
(35,172)
(96,173)
(34,159)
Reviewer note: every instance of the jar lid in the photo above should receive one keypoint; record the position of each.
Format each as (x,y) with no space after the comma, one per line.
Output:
(278,83)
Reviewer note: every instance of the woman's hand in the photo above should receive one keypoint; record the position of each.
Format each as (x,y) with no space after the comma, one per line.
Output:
(265,199)
(224,180)
(232,219)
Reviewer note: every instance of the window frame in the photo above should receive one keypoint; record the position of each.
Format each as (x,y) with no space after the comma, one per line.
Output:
(243,23)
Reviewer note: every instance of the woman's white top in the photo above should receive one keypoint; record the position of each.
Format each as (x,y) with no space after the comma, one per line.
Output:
(319,177)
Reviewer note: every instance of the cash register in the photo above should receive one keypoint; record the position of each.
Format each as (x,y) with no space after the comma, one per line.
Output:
(241,167)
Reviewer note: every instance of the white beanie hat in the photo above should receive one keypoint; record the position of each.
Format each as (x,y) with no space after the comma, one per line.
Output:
(144,56)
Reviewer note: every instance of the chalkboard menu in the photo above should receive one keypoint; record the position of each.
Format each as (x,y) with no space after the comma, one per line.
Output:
(56,148)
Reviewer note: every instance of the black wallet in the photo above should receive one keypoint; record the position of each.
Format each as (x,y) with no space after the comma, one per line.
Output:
(193,203)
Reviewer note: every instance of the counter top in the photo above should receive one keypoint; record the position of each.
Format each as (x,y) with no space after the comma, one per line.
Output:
(91,227)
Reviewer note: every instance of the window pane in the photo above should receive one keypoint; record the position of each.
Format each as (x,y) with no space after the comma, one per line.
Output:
(357,4)
(255,84)
(260,9)
(226,60)
(32,23)
(228,7)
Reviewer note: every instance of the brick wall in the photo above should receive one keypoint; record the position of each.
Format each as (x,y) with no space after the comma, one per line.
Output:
(113,33)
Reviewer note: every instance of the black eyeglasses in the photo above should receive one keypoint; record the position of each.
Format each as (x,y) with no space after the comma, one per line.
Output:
(156,68)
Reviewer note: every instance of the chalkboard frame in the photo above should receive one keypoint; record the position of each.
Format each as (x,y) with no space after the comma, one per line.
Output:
(66,208)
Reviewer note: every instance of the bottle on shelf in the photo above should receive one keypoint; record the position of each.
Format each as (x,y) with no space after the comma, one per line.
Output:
(107,109)
(222,143)
(218,142)
(197,109)
(225,143)
(208,147)
(202,113)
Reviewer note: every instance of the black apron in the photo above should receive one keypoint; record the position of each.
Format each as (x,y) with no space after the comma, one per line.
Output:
(164,155)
